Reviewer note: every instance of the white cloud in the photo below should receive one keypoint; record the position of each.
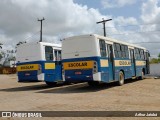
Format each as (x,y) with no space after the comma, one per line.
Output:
(150,11)
(116,3)
(62,18)
(120,20)
(151,16)
(65,18)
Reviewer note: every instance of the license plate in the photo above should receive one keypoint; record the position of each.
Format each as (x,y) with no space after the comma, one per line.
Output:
(78,73)
(27,74)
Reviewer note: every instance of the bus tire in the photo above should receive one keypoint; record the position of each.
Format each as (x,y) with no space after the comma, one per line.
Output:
(121,78)
(142,76)
(51,83)
(93,83)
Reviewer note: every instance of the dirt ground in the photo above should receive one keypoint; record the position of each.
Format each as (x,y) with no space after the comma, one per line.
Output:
(135,95)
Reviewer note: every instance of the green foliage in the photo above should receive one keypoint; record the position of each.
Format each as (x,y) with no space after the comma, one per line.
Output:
(154,61)
(12,58)
(1,45)
(1,56)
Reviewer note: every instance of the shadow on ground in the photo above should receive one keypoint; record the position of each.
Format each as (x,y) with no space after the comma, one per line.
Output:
(65,88)
(83,87)
(30,88)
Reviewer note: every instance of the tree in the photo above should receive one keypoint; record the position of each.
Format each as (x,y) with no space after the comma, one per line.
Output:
(12,58)
(154,61)
(1,56)
(1,45)
(19,43)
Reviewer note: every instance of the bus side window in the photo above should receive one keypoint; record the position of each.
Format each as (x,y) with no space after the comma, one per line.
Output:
(117,50)
(102,46)
(57,54)
(48,53)
(131,55)
(147,55)
(137,53)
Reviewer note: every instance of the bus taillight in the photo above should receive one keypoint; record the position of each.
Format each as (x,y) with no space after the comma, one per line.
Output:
(39,67)
(95,68)
(62,70)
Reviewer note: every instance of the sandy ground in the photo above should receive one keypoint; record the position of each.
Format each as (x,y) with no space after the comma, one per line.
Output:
(135,95)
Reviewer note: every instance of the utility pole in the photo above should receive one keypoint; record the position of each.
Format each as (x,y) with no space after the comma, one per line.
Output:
(41,29)
(104,22)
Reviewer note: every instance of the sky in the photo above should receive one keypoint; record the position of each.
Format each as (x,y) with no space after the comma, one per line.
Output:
(133,21)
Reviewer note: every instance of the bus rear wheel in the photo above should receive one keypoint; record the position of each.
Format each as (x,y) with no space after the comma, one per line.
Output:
(93,83)
(121,78)
(51,83)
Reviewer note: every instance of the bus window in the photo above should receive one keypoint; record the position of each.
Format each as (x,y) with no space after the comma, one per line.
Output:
(124,49)
(102,48)
(49,53)
(137,53)
(117,50)
(57,55)
(142,54)
(132,55)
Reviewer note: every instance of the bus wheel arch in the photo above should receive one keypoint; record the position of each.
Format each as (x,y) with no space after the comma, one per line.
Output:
(121,78)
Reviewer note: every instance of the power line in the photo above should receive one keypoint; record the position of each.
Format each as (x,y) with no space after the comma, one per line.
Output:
(134,25)
(33,34)
(135,32)
(145,42)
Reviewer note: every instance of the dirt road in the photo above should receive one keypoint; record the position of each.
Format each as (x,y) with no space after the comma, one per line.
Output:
(142,95)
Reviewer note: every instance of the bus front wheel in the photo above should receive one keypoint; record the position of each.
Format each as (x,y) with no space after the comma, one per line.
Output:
(121,78)
(51,83)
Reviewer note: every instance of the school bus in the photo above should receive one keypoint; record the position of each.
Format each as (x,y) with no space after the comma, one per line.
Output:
(39,61)
(94,59)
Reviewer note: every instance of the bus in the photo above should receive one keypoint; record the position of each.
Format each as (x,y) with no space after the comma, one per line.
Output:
(94,59)
(39,61)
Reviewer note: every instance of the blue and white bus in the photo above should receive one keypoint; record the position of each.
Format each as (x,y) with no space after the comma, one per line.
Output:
(94,59)
(39,61)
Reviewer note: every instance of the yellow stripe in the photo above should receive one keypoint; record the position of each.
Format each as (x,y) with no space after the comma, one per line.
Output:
(27,67)
(49,65)
(140,63)
(122,62)
(104,63)
(78,65)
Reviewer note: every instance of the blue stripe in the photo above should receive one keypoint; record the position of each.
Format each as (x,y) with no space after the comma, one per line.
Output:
(50,75)
(106,72)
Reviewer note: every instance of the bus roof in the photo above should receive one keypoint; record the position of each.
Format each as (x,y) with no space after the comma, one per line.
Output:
(107,39)
(41,43)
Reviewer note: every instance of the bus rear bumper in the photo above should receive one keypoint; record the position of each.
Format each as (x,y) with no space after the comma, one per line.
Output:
(82,78)
(31,78)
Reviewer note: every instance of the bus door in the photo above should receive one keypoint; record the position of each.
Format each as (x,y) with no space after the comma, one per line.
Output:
(133,65)
(110,62)
(58,65)
(147,62)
